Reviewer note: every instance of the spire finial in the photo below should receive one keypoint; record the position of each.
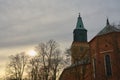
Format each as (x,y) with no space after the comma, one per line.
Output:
(79,14)
(80,24)
(107,23)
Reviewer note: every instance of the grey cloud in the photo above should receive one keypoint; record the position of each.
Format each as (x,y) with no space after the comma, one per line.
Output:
(26,22)
(29,22)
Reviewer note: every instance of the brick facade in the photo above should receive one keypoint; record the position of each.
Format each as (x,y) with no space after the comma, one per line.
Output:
(77,72)
(100,46)
(98,59)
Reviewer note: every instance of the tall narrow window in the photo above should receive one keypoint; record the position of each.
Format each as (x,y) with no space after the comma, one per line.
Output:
(94,68)
(108,65)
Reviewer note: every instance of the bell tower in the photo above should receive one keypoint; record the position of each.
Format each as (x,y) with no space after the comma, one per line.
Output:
(80,46)
(80,33)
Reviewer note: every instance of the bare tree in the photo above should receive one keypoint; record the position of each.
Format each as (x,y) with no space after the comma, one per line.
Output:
(56,64)
(49,53)
(16,66)
(67,57)
(34,68)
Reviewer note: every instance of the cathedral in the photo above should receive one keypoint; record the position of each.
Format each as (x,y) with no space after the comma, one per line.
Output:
(98,59)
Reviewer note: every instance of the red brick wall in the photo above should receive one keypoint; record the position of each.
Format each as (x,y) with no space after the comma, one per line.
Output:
(100,46)
(108,44)
(74,73)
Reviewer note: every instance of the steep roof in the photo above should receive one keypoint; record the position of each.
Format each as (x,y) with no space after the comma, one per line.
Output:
(108,29)
(79,24)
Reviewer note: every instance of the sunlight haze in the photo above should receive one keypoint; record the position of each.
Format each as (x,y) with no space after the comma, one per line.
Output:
(26,23)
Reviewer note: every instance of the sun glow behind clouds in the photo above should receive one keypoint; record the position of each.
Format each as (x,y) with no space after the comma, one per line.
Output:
(32,53)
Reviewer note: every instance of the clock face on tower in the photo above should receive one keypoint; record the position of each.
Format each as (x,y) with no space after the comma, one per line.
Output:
(75,52)
(79,52)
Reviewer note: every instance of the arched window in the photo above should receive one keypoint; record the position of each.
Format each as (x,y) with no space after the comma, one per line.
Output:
(108,65)
(94,67)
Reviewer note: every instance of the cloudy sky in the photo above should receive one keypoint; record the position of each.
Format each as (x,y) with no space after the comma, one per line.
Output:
(25,23)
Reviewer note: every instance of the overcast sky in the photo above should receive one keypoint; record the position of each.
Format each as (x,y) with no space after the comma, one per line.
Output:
(29,22)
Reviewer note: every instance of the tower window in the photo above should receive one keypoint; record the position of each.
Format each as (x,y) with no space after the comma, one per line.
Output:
(80,25)
(108,65)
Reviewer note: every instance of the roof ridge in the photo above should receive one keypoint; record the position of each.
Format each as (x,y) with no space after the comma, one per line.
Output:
(108,29)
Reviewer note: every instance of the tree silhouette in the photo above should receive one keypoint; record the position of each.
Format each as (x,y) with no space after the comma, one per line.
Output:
(50,56)
(16,66)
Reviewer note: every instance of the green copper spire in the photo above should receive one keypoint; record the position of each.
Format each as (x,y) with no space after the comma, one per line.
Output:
(80,33)
(79,23)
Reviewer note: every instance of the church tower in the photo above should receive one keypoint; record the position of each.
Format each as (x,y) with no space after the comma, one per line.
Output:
(80,46)
(80,33)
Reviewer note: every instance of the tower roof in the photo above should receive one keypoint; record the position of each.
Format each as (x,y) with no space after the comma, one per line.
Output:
(108,29)
(79,23)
